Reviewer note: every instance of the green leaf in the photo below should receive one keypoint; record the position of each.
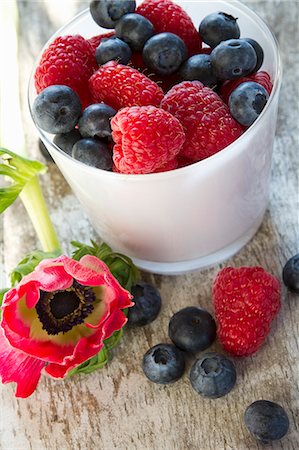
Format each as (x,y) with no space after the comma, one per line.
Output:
(114,340)
(96,362)
(20,171)
(28,264)
(2,293)
(121,266)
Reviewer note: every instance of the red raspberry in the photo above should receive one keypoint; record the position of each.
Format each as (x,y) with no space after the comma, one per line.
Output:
(137,62)
(168,16)
(206,120)
(164,81)
(96,40)
(206,50)
(120,86)
(147,138)
(228,87)
(69,60)
(170,165)
(246,301)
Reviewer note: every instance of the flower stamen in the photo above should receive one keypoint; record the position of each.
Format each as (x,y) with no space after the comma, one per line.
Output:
(60,311)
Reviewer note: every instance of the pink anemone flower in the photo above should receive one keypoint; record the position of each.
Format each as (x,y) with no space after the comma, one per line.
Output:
(56,318)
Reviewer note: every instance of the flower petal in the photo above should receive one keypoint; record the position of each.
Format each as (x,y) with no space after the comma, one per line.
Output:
(16,366)
(94,263)
(114,323)
(83,274)
(124,297)
(46,350)
(85,349)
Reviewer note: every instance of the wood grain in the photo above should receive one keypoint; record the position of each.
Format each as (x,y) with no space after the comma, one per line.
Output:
(117,408)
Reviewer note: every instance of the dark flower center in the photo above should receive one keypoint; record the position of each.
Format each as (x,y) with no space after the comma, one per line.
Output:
(60,311)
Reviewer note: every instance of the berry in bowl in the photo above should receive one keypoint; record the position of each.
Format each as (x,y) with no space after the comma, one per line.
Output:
(161,116)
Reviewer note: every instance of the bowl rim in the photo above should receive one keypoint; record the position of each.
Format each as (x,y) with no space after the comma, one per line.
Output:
(218,158)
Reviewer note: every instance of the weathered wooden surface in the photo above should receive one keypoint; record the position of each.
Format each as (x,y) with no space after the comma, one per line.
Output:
(117,408)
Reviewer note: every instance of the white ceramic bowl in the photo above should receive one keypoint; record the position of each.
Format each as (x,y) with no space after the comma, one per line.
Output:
(192,217)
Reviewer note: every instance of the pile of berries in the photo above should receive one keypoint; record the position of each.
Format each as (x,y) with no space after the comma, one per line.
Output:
(246,300)
(153,93)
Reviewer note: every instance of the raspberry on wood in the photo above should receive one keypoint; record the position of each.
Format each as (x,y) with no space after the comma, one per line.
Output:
(246,300)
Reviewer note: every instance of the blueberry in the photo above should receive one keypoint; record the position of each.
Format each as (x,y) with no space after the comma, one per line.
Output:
(147,306)
(164,53)
(57,109)
(213,375)
(44,151)
(106,13)
(192,329)
(259,53)
(113,49)
(266,420)
(218,27)
(66,141)
(93,152)
(233,59)
(135,30)
(95,121)
(290,274)
(163,363)
(198,67)
(247,101)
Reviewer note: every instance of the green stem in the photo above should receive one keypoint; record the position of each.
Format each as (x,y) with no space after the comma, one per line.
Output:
(13,138)
(34,202)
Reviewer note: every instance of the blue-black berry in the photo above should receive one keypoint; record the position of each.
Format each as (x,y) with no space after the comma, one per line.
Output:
(192,329)
(163,363)
(164,53)
(66,141)
(233,59)
(106,13)
(213,375)
(113,49)
(266,420)
(95,121)
(198,67)
(147,306)
(93,152)
(135,30)
(290,274)
(247,102)
(218,27)
(259,53)
(57,109)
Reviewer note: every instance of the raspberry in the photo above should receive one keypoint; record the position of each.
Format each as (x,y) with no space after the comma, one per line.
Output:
(164,81)
(170,165)
(70,61)
(246,301)
(228,87)
(137,62)
(206,120)
(206,50)
(96,40)
(147,138)
(167,16)
(120,86)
